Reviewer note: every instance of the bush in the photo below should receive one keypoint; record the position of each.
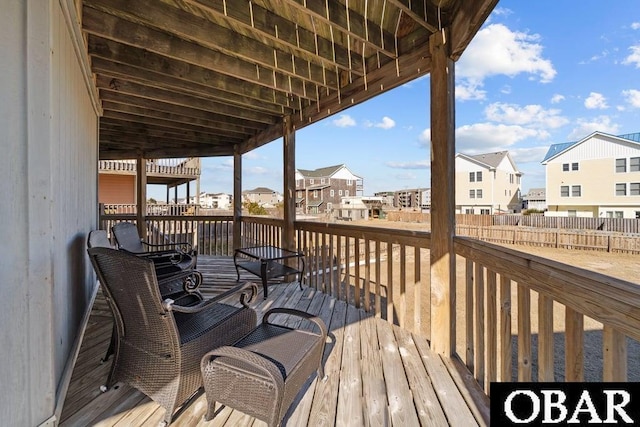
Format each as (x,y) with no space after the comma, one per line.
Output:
(255,209)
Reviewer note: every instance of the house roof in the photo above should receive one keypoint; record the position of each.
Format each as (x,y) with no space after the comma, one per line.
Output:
(535,193)
(490,160)
(556,149)
(213,78)
(321,172)
(259,190)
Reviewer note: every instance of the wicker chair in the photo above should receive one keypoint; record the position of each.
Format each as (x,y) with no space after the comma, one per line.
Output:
(182,286)
(159,344)
(180,255)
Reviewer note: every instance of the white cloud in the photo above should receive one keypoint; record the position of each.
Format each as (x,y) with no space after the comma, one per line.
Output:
(467,91)
(528,155)
(556,98)
(496,50)
(632,96)
(532,115)
(588,126)
(344,121)
(635,26)
(258,170)
(634,57)
(425,137)
(419,164)
(487,137)
(595,100)
(385,123)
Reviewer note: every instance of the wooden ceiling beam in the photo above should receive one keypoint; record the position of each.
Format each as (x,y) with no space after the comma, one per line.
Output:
(163,136)
(114,153)
(108,123)
(171,120)
(140,58)
(107,84)
(111,27)
(279,32)
(420,11)
(187,26)
(467,20)
(355,26)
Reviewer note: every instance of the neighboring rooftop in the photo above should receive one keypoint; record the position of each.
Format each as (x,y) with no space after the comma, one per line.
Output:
(555,149)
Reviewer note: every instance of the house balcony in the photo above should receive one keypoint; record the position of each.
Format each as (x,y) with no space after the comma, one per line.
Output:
(170,172)
(518,317)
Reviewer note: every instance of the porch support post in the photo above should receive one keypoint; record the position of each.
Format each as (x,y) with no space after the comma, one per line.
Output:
(443,265)
(141,193)
(237,198)
(289,183)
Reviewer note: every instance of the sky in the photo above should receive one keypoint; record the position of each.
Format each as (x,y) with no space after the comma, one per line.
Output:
(537,73)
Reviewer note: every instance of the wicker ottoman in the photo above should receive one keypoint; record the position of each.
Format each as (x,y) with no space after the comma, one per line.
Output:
(262,373)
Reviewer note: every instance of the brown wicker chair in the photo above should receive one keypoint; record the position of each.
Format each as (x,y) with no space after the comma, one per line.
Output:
(179,255)
(262,374)
(159,344)
(182,286)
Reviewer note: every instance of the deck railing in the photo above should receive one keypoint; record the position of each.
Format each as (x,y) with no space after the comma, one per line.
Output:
(519,317)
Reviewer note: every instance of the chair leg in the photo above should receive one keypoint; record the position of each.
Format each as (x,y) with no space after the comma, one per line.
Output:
(112,346)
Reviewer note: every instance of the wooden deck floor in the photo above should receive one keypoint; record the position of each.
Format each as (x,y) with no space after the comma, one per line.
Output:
(378,374)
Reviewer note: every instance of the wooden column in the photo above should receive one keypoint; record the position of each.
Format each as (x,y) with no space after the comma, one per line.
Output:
(141,195)
(443,265)
(237,198)
(289,183)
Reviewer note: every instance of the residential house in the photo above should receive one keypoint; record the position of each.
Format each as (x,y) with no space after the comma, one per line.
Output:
(536,198)
(117,178)
(597,176)
(214,200)
(352,208)
(487,184)
(318,190)
(263,196)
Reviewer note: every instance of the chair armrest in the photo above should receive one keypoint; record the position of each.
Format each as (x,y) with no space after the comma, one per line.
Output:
(191,279)
(261,364)
(293,312)
(248,292)
(178,246)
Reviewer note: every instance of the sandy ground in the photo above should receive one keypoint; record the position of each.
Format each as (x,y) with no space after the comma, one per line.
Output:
(622,266)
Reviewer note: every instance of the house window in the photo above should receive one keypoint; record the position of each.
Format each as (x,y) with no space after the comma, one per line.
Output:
(346,193)
(576,191)
(339,192)
(349,182)
(297,183)
(484,211)
(564,191)
(315,194)
(311,181)
(609,214)
(634,189)
(634,164)
(472,194)
(472,177)
(332,193)
(574,166)
(621,165)
(621,189)
(479,194)
(322,181)
(637,214)
(329,207)
(565,167)
(572,213)
(468,211)
(619,214)
(479,176)
(510,178)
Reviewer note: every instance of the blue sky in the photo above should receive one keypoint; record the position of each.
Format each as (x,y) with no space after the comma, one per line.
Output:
(538,73)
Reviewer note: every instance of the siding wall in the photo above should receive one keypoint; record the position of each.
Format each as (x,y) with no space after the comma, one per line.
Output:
(48,171)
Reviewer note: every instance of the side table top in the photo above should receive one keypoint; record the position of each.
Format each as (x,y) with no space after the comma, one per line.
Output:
(268,253)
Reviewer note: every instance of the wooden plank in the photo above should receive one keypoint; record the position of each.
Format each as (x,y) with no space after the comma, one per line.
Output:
(614,354)
(356,280)
(453,404)
(378,287)
(475,397)
(349,411)
(375,405)
(479,323)
(492,331)
(468,312)
(367,275)
(545,339)
(524,333)
(417,291)
(422,389)
(402,298)
(401,409)
(574,345)
(505,330)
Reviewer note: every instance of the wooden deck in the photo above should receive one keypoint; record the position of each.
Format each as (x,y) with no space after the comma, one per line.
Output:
(378,374)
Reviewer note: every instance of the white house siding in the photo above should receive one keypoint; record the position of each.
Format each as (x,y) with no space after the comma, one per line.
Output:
(597,177)
(48,173)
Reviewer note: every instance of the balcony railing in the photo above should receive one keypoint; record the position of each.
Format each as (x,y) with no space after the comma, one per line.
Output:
(180,166)
(519,317)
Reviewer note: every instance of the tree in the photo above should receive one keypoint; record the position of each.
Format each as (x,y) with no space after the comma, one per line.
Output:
(152,201)
(255,209)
